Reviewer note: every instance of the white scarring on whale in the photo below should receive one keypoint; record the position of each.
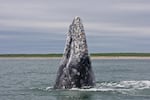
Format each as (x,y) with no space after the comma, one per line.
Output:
(75,69)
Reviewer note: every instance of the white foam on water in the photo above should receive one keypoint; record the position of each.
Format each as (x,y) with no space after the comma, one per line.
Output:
(93,89)
(118,86)
(136,84)
(49,88)
(124,87)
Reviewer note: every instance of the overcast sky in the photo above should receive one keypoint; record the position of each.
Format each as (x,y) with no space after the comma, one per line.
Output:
(40,26)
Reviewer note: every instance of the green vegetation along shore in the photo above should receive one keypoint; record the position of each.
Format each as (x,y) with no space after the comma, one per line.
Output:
(92,55)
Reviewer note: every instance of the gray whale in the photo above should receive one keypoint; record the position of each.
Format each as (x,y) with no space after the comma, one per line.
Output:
(75,69)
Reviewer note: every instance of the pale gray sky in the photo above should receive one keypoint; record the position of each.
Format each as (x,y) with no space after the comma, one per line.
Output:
(40,26)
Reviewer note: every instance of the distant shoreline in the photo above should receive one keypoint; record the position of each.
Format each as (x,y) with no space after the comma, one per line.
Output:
(93,56)
(120,57)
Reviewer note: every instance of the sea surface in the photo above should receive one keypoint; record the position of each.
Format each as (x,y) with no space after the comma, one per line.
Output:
(33,79)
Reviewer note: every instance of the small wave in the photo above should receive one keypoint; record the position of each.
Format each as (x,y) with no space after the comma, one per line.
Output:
(50,88)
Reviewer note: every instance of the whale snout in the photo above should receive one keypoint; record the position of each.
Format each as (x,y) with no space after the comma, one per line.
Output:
(75,70)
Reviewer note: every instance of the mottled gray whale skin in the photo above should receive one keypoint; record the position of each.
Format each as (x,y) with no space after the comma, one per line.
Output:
(75,69)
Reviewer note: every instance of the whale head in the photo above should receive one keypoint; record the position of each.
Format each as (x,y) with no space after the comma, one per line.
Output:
(75,70)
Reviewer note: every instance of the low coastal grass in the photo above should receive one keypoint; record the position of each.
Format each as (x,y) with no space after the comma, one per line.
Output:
(92,55)
(30,55)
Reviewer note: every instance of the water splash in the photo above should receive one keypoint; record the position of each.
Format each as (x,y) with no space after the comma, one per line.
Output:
(124,87)
(125,84)
(118,86)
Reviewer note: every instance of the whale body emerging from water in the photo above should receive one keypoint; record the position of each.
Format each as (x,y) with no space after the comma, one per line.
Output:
(75,69)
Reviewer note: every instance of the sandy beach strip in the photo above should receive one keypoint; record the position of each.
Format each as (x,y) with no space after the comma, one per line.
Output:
(98,57)
(120,57)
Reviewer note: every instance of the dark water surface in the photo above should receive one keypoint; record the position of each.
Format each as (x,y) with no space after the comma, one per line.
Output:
(32,79)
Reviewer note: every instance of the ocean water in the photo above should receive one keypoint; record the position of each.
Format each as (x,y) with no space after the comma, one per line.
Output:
(33,79)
